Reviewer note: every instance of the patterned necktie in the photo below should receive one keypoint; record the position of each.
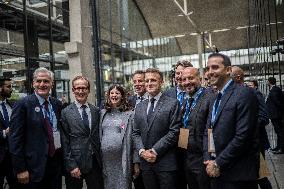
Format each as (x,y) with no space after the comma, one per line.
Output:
(180,97)
(85,117)
(5,115)
(187,111)
(51,147)
(151,109)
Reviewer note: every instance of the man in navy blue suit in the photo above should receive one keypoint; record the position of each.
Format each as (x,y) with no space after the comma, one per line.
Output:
(34,140)
(231,149)
(5,114)
(275,110)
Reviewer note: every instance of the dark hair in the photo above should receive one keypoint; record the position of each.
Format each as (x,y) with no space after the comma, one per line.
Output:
(272,80)
(226,60)
(79,77)
(154,70)
(124,106)
(3,79)
(183,63)
(255,83)
(138,72)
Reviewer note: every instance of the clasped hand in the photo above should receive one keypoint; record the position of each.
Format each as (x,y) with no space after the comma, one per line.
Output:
(211,168)
(149,156)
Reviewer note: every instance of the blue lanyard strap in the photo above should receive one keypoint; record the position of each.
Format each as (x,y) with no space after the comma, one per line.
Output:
(189,107)
(49,114)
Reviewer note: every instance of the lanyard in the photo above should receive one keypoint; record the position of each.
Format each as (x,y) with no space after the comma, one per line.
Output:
(49,114)
(189,107)
(218,102)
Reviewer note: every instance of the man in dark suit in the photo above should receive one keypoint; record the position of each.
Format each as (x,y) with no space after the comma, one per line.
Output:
(155,134)
(138,79)
(231,149)
(275,108)
(80,139)
(194,119)
(34,140)
(178,93)
(5,110)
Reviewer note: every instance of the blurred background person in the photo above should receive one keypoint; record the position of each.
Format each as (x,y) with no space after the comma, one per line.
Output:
(116,141)
(138,79)
(5,114)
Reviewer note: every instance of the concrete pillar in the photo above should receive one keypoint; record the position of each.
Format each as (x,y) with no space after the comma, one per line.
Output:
(199,49)
(79,49)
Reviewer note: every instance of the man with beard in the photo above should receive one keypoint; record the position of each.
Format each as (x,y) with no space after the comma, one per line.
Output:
(6,110)
(34,140)
(231,147)
(194,123)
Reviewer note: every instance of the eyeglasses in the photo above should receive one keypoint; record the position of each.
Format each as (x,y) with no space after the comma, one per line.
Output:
(81,88)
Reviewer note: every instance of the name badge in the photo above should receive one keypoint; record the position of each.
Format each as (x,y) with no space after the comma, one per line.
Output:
(183,138)
(211,145)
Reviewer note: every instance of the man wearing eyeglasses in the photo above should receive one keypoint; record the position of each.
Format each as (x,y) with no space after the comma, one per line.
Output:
(34,140)
(80,139)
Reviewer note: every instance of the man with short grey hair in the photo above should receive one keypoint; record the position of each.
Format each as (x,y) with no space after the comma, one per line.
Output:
(34,136)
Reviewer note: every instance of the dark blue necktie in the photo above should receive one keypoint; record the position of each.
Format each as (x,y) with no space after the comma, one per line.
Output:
(151,109)
(187,111)
(85,117)
(5,115)
(217,102)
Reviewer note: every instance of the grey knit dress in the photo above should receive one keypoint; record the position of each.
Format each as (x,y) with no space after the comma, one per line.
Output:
(111,146)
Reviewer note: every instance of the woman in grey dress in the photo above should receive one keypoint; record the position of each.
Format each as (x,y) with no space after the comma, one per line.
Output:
(116,142)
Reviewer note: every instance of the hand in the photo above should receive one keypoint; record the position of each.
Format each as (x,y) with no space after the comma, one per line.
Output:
(7,131)
(136,170)
(76,173)
(148,156)
(154,157)
(23,177)
(211,168)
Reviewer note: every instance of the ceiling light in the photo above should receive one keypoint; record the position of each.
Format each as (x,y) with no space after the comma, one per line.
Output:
(193,34)
(241,27)
(180,15)
(221,30)
(180,35)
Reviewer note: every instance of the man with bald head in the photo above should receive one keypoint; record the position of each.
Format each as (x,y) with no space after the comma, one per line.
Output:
(195,115)
(238,75)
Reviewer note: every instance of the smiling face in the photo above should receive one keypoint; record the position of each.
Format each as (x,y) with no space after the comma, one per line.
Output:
(218,73)
(42,84)
(153,83)
(178,76)
(81,90)
(139,84)
(191,80)
(115,97)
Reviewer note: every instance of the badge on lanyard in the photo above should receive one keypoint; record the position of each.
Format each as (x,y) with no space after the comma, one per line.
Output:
(211,145)
(183,138)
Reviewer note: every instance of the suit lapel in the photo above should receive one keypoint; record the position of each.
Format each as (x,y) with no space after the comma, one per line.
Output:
(125,122)
(159,105)
(224,101)
(94,119)
(77,117)
(36,105)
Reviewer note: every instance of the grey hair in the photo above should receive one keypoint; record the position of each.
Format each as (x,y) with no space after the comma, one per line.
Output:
(43,70)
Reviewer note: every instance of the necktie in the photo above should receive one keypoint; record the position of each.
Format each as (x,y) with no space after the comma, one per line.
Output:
(5,115)
(216,106)
(187,111)
(85,117)
(51,147)
(180,97)
(151,109)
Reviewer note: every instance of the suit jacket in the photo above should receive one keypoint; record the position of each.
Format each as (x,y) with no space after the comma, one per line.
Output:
(79,143)
(28,139)
(132,100)
(129,154)
(3,141)
(161,133)
(235,135)
(171,92)
(197,125)
(275,103)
